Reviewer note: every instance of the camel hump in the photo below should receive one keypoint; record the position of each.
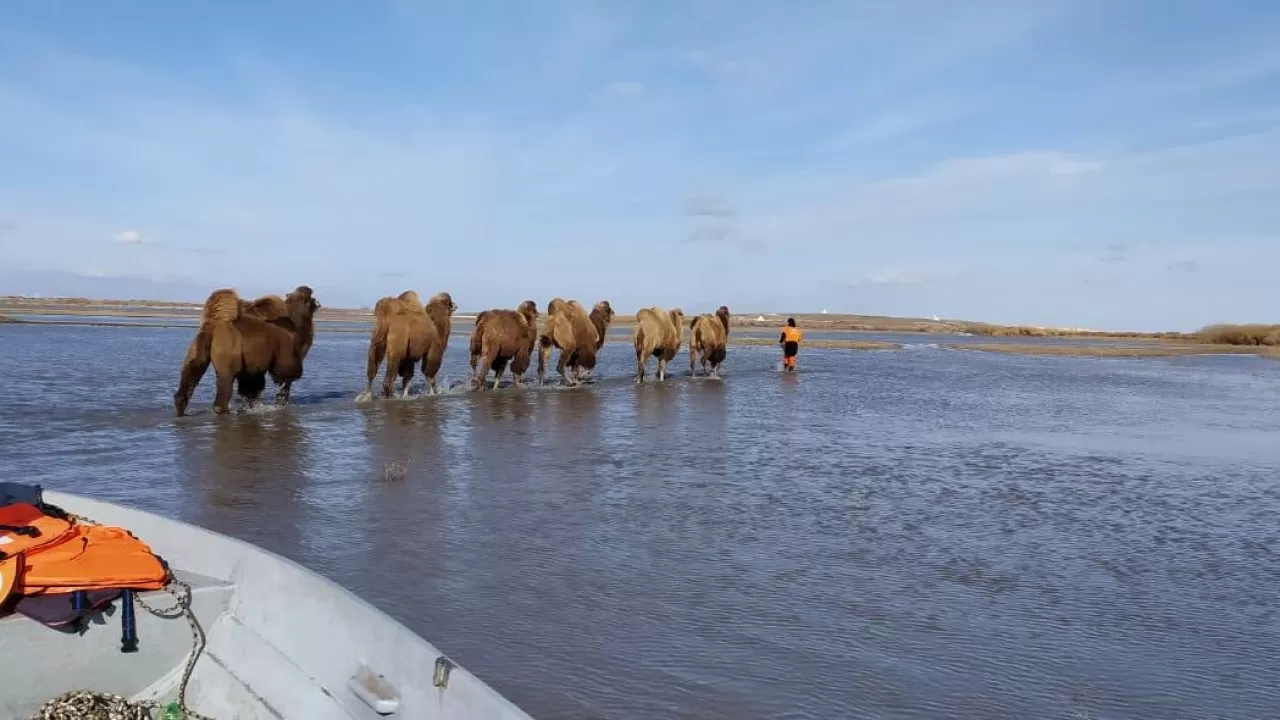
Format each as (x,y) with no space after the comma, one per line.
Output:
(557,306)
(385,307)
(650,313)
(410,297)
(269,307)
(222,306)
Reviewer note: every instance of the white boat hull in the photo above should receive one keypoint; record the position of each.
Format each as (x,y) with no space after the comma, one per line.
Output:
(282,642)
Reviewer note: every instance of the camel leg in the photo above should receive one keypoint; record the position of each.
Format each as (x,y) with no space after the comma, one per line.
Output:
(376,352)
(641,357)
(693,370)
(560,367)
(251,387)
(389,376)
(222,398)
(500,366)
(544,354)
(481,375)
(192,371)
(431,365)
(662,369)
(282,395)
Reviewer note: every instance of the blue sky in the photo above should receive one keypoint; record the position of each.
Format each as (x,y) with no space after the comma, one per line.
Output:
(1075,162)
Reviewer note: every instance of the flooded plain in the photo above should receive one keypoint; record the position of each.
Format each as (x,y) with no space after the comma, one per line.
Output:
(916,533)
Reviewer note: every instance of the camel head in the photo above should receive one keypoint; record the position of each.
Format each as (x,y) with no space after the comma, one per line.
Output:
(605,309)
(529,310)
(444,300)
(302,304)
(677,317)
(723,313)
(305,297)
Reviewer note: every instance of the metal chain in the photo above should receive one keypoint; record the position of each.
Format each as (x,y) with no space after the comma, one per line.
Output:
(90,705)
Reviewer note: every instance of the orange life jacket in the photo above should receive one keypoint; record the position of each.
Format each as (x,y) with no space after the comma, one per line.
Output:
(792,334)
(42,554)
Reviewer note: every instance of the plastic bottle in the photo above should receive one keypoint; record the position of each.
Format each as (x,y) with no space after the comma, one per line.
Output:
(172,711)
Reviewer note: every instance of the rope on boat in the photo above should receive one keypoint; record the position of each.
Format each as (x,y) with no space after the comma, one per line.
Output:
(92,705)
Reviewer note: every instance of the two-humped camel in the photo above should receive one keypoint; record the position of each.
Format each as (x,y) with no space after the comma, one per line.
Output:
(569,328)
(601,315)
(500,337)
(709,338)
(405,333)
(245,341)
(658,333)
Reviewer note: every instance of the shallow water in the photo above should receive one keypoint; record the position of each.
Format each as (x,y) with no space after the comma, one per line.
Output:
(920,533)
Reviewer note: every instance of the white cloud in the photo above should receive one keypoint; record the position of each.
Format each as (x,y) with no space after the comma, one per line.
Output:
(901,277)
(128,237)
(626,89)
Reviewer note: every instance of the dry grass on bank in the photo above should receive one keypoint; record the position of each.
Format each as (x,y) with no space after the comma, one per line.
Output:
(990,330)
(1152,350)
(1255,335)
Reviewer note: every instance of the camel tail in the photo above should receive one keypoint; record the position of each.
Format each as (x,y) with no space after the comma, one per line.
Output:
(222,306)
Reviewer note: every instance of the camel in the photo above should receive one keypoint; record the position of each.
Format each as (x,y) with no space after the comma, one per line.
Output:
(601,316)
(244,347)
(501,337)
(658,333)
(708,337)
(569,328)
(295,313)
(404,333)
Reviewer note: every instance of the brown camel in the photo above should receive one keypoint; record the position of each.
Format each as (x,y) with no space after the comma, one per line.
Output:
(295,313)
(501,337)
(569,328)
(245,348)
(709,337)
(601,316)
(404,333)
(658,333)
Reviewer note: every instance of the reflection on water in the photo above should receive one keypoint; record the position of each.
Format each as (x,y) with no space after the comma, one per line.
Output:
(913,534)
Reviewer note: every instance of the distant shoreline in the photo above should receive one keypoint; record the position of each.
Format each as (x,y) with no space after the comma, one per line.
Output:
(823,322)
(1263,340)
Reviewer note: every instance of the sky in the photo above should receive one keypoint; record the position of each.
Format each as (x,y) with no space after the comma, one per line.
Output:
(1082,163)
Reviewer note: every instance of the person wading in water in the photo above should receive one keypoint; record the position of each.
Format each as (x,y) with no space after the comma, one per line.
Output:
(790,342)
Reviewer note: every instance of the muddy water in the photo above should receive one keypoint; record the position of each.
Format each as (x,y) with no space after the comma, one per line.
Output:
(920,533)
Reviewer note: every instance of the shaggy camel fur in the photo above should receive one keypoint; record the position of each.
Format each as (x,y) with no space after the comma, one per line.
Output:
(601,316)
(404,333)
(658,333)
(501,337)
(709,336)
(569,328)
(244,348)
(295,313)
